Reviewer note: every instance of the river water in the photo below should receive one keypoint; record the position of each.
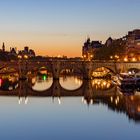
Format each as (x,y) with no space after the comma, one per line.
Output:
(68,109)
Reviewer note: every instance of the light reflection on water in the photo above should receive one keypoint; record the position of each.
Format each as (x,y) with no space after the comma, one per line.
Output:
(70,83)
(99,112)
(44,119)
(41,84)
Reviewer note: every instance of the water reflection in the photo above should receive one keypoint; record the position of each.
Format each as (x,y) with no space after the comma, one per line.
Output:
(94,92)
(41,83)
(8,82)
(71,82)
(102,84)
(23,100)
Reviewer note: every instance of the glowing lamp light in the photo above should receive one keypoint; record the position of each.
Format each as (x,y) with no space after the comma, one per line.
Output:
(129,72)
(91,56)
(84,56)
(59,56)
(125,59)
(104,83)
(19,56)
(138,109)
(26,56)
(134,59)
(0,81)
(116,56)
(44,77)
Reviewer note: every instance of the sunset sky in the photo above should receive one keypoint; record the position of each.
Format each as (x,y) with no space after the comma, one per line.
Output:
(53,27)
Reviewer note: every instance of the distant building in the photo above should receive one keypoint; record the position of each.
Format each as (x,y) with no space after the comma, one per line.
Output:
(89,48)
(13,51)
(12,54)
(4,55)
(133,39)
(28,52)
(109,41)
(133,45)
(130,47)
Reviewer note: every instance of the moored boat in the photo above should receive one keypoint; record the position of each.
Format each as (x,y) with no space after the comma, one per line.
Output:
(129,82)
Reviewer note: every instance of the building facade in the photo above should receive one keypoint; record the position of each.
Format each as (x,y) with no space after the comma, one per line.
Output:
(90,48)
(126,48)
(133,45)
(27,52)
(13,53)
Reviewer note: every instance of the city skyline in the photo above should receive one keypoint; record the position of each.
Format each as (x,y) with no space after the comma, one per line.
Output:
(61,27)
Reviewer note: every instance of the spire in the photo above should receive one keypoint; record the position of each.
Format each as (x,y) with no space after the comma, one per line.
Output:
(3,47)
(88,39)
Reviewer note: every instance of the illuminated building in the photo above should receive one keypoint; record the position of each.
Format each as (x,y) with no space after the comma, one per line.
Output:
(90,48)
(131,44)
(133,39)
(125,49)
(28,52)
(12,54)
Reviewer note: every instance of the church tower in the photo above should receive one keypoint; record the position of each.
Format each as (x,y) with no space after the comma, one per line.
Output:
(3,47)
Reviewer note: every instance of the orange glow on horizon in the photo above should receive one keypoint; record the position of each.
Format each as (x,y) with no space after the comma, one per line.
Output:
(67,49)
(48,45)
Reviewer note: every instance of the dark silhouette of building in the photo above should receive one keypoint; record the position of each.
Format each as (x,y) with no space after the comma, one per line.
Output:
(109,41)
(28,52)
(3,47)
(13,53)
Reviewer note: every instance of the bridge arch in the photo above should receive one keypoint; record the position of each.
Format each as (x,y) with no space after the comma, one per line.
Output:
(102,71)
(42,86)
(133,70)
(129,66)
(38,68)
(7,68)
(111,68)
(74,69)
(57,90)
(74,82)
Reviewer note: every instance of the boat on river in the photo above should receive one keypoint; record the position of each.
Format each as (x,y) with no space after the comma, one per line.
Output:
(128,81)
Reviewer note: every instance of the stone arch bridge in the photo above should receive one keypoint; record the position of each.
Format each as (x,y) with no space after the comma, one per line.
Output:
(56,90)
(56,66)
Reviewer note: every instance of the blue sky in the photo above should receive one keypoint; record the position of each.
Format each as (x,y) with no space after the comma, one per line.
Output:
(60,26)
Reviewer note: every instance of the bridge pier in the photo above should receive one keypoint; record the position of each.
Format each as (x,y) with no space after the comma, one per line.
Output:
(56,70)
(88,91)
(87,73)
(56,90)
(23,70)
